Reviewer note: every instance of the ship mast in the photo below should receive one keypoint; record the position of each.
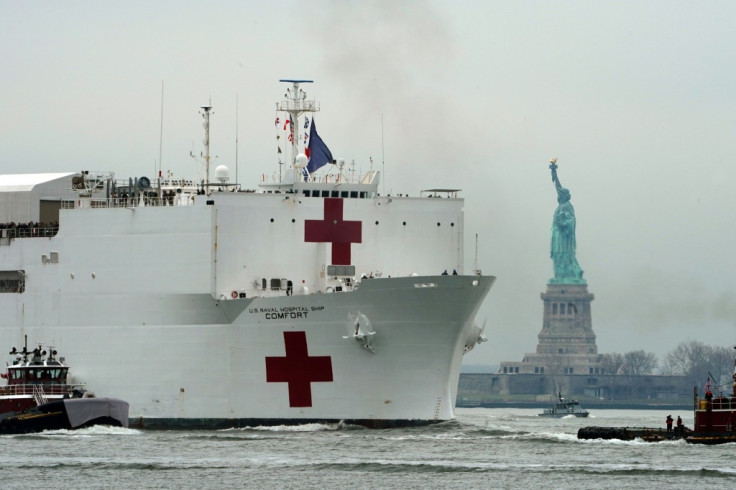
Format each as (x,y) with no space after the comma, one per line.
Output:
(295,103)
(206,115)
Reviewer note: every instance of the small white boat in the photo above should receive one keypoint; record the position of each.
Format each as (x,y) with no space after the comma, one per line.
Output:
(563,408)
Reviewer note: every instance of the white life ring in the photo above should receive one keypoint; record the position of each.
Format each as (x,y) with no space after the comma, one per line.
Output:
(234,295)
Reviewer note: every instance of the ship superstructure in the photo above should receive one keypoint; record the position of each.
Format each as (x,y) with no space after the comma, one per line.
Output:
(310,298)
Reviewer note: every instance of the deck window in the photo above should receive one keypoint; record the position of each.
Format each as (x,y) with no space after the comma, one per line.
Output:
(12,281)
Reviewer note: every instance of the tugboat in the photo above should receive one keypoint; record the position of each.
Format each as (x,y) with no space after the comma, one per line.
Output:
(714,423)
(715,418)
(38,397)
(563,408)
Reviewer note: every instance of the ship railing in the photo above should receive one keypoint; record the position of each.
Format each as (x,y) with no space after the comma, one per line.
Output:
(717,403)
(334,177)
(129,202)
(10,231)
(46,389)
(297,290)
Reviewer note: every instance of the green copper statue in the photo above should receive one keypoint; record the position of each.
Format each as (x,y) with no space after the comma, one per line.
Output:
(562,249)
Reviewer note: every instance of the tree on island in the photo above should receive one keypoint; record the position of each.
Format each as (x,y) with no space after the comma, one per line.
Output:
(698,362)
(637,364)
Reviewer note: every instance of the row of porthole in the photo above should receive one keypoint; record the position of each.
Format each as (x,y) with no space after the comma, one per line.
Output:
(403,223)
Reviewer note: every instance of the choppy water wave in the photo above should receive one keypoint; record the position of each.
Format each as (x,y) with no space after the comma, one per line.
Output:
(96,430)
(355,465)
(484,449)
(493,467)
(289,428)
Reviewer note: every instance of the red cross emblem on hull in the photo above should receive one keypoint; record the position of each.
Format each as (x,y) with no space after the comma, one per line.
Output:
(335,230)
(298,369)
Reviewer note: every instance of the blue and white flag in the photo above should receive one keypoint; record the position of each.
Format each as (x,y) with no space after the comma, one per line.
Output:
(317,152)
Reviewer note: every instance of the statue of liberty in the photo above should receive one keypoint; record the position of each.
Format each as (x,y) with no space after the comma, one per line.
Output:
(562,249)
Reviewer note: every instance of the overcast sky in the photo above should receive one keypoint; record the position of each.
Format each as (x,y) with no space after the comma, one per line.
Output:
(637,100)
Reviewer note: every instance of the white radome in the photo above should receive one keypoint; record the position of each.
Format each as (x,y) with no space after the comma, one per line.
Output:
(222,174)
(301,161)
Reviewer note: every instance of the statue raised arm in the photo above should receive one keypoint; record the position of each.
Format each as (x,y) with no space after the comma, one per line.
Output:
(563,245)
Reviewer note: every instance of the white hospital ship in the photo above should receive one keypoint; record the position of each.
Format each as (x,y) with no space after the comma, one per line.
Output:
(312,298)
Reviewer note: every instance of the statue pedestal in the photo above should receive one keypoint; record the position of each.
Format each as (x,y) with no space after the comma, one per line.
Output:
(567,341)
(567,325)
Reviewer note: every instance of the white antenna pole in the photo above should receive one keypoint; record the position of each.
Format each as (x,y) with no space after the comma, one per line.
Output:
(236,138)
(475,265)
(161,131)
(383,159)
(206,116)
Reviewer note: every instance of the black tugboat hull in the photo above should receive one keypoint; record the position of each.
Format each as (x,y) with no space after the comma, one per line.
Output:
(631,433)
(656,435)
(69,414)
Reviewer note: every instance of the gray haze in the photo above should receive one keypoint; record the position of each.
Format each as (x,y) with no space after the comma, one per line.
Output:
(636,99)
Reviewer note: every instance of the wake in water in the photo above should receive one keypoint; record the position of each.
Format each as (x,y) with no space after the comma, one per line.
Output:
(94,431)
(297,428)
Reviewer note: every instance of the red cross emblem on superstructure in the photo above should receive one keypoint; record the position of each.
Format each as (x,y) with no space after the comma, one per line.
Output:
(298,369)
(335,230)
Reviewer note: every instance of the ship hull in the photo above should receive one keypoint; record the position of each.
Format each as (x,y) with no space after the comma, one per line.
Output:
(213,375)
(68,414)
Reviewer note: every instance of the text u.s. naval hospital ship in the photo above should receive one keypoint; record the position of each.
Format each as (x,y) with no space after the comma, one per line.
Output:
(312,298)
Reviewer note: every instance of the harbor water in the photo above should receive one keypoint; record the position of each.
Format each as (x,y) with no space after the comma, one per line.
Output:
(483,448)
